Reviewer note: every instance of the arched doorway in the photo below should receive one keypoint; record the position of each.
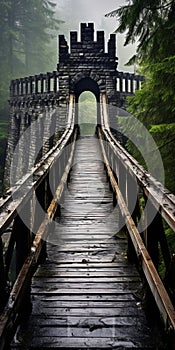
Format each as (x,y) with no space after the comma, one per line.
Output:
(91,92)
(87,113)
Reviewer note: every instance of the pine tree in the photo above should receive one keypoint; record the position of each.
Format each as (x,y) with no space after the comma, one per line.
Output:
(152,24)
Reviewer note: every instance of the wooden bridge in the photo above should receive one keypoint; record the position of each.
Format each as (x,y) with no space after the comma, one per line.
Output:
(86,276)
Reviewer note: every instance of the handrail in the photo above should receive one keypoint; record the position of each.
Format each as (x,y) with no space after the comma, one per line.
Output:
(25,273)
(20,193)
(164,202)
(10,208)
(161,197)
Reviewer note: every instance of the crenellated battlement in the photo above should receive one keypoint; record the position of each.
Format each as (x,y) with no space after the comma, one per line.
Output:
(86,58)
(87,46)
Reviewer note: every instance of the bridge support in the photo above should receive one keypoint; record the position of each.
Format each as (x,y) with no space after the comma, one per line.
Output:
(3,279)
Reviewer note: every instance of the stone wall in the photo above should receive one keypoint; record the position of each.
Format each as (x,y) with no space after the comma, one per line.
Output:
(87,59)
(39,103)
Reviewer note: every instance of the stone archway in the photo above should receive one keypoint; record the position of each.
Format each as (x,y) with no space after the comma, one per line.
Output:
(86,64)
(87,113)
(86,84)
(83,84)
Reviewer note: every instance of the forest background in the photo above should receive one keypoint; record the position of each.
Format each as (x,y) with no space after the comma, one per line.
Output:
(145,36)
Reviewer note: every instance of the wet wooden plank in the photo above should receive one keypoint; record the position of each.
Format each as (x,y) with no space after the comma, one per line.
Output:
(92,332)
(64,273)
(86,295)
(56,311)
(120,321)
(49,342)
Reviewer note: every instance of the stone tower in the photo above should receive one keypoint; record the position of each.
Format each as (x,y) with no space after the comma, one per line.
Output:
(85,66)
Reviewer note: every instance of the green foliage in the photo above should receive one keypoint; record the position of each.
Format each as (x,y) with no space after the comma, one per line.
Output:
(27,29)
(149,23)
(152,25)
(87,113)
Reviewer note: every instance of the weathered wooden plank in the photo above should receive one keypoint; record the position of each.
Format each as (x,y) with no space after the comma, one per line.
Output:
(88,279)
(157,288)
(87,295)
(81,321)
(117,287)
(88,266)
(87,258)
(85,343)
(85,305)
(82,311)
(78,238)
(81,291)
(64,273)
(71,246)
(92,332)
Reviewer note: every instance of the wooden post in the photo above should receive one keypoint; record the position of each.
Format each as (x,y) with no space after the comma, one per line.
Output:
(134,209)
(121,174)
(151,240)
(3,284)
(39,212)
(151,233)
(9,252)
(23,238)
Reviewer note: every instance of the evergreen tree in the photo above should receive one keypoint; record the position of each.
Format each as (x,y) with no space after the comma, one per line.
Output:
(152,24)
(26,29)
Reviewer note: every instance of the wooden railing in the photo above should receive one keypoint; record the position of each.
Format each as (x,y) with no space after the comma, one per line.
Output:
(19,220)
(128,179)
(26,213)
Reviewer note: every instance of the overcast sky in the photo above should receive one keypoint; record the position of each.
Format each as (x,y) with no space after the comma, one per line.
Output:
(76,11)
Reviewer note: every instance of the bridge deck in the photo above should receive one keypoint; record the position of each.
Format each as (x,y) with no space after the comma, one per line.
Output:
(86,295)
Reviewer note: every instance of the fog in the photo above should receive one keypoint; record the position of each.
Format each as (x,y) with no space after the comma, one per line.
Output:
(75,11)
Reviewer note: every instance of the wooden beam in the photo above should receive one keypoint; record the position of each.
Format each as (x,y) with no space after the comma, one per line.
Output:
(158,290)
(17,196)
(22,282)
(162,199)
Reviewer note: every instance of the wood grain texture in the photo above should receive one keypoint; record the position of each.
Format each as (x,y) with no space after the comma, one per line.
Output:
(87,295)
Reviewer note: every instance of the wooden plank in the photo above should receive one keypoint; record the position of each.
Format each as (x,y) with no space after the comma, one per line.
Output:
(84,343)
(81,291)
(161,197)
(56,311)
(86,290)
(91,332)
(51,321)
(86,306)
(117,297)
(86,273)
(158,290)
